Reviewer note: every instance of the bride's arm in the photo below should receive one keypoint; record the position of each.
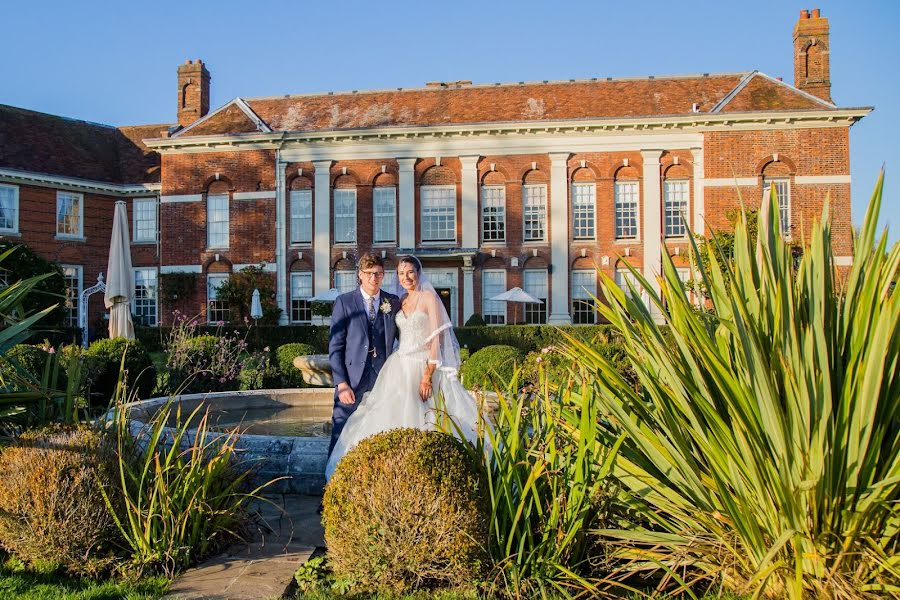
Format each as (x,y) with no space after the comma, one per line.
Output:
(433,345)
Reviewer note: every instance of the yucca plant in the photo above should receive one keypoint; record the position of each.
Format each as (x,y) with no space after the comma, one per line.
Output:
(183,493)
(761,450)
(547,476)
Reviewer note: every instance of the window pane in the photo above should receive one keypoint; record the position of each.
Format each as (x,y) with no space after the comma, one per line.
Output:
(438,214)
(583,208)
(301,292)
(626,209)
(68,214)
(384,200)
(9,208)
(144,211)
(217,221)
(676,194)
(345,281)
(217,309)
(534,212)
(493,214)
(72,275)
(493,283)
(783,193)
(144,309)
(623,278)
(301,216)
(584,286)
(535,283)
(344,216)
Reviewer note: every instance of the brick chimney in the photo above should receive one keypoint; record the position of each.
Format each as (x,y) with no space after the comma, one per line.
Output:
(193,92)
(812,73)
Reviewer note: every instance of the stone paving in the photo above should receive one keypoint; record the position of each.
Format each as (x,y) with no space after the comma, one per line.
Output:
(289,534)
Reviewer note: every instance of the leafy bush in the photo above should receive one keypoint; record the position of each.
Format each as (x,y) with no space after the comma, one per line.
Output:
(51,509)
(761,449)
(492,364)
(22,263)
(237,293)
(285,356)
(27,360)
(183,496)
(104,358)
(529,338)
(259,372)
(258,337)
(406,509)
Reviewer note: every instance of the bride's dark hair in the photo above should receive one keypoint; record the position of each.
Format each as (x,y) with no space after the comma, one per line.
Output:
(409,258)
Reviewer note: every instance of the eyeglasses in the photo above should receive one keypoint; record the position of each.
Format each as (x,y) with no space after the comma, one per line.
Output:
(372,274)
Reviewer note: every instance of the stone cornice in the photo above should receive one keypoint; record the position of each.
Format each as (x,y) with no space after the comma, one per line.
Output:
(77,184)
(689,123)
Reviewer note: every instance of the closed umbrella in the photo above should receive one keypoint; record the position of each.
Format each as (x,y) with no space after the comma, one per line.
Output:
(516,294)
(256,311)
(119,278)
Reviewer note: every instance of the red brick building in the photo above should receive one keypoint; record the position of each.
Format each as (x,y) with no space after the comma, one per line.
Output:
(526,184)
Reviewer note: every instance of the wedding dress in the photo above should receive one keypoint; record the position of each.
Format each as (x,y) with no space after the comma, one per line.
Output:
(426,335)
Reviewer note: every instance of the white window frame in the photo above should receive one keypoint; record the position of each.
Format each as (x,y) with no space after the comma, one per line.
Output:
(583,293)
(13,191)
(425,194)
(79,273)
(531,308)
(301,223)
(213,281)
(344,216)
(78,199)
(493,210)
(149,301)
(635,201)
(346,281)
(141,214)
(297,297)
(622,277)
(784,200)
(218,240)
(384,222)
(676,202)
(584,208)
(493,311)
(534,211)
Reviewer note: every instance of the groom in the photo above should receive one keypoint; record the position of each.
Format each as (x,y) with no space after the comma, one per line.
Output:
(362,337)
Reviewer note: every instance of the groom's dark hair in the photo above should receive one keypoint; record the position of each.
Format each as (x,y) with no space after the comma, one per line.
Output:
(369,260)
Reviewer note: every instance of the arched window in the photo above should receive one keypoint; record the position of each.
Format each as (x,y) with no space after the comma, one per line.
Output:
(301,292)
(493,208)
(218,217)
(534,206)
(777,176)
(676,195)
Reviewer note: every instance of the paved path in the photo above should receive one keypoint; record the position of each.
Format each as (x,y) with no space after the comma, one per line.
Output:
(290,533)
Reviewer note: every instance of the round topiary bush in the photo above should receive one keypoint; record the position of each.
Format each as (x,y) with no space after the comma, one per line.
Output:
(52,512)
(406,509)
(103,359)
(285,356)
(490,366)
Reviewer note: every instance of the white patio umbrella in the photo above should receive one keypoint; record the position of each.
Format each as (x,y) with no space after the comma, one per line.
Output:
(517,295)
(326,296)
(119,278)
(256,311)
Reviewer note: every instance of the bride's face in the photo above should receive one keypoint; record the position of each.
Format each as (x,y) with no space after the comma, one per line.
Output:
(406,274)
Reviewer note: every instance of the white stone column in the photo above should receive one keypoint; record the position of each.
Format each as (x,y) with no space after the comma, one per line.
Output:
(407,203)
(322,233)
(559,240)
(281,281)
(652,222)
(699,188)
(469,201)
(468,292)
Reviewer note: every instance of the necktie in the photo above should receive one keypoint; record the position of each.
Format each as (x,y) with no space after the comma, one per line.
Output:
(371,302)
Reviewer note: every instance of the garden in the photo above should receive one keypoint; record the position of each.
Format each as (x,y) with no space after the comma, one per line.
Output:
(747,448)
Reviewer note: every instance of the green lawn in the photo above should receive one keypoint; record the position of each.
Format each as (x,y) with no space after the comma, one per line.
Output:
(16,583)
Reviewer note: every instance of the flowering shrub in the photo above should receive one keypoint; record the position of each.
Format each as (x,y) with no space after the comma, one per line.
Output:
(204,363)
(259,371)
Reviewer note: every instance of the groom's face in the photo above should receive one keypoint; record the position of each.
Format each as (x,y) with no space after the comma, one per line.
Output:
(371,278)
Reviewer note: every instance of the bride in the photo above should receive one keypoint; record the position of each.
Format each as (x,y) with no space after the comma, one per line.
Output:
(418,385)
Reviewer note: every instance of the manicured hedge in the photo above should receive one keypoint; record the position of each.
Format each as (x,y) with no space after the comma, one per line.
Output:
(528,338)
(154,338)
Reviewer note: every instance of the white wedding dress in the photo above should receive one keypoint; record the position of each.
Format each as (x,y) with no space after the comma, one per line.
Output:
(395,402)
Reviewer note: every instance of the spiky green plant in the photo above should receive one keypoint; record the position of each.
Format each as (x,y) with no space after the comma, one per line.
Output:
(762,452)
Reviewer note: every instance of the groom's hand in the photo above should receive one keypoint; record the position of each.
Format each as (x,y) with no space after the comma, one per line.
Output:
(345,394)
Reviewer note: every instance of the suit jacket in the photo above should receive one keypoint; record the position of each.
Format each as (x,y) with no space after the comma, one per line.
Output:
(348,341)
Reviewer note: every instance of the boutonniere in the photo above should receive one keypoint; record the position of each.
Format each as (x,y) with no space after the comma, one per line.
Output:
(386,306)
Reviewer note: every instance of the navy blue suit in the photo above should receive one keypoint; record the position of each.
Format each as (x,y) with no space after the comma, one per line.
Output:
(357,349)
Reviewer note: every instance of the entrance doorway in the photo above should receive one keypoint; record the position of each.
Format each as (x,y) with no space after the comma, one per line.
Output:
(444,294)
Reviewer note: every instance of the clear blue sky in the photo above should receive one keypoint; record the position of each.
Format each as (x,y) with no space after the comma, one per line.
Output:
(114,62)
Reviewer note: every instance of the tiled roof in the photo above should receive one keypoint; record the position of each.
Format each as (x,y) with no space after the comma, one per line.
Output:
(502,103)
(42,143)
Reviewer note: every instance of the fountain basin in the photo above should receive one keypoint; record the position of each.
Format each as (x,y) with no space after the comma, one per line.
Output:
(286,432)
(315,369)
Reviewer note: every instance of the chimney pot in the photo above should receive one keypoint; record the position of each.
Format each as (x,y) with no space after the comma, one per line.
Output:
(804,14)
(815,13)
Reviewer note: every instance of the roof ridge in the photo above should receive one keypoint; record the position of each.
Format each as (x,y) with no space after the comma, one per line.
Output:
(501,84)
